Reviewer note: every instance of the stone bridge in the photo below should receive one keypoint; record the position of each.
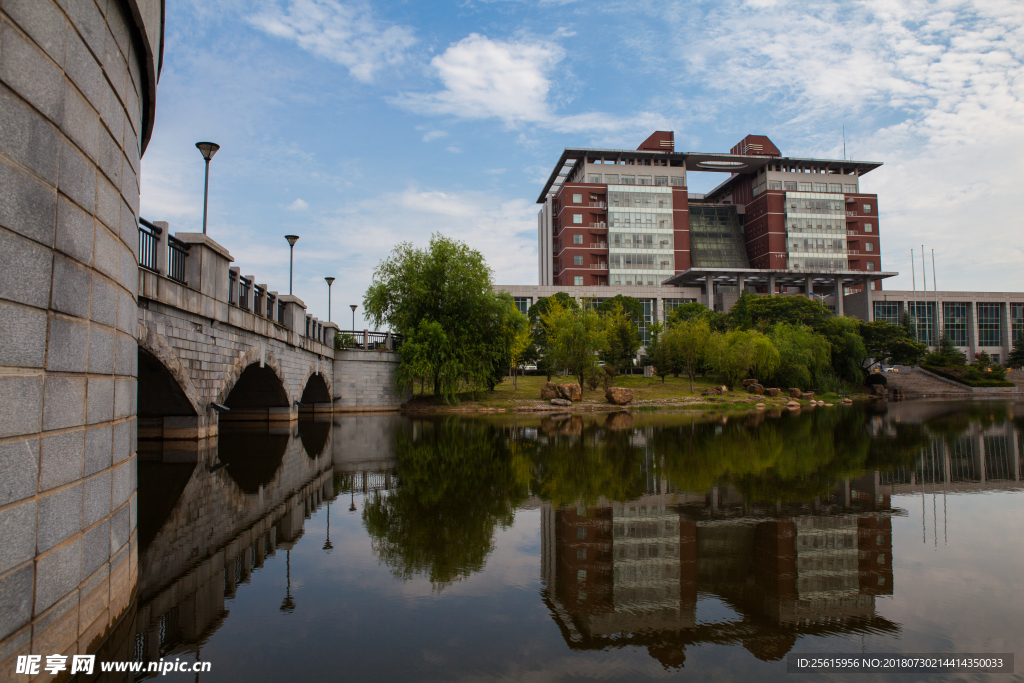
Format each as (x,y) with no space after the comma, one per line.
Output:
(211,338)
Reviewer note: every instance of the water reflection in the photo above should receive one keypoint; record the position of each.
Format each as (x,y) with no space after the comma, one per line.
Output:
(662,533)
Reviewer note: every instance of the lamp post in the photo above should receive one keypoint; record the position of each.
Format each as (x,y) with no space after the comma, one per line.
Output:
(292,239)
(207,149)
(328,546)
(353,307)
(330,281)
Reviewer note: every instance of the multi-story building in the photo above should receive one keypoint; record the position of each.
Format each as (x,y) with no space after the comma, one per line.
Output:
(623,222)
(775,224)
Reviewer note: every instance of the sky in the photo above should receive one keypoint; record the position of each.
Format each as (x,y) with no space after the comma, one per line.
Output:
(358,126)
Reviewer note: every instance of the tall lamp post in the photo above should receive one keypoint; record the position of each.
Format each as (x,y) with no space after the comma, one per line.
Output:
(292,239)
(353,307)
(330,281)
(207,149)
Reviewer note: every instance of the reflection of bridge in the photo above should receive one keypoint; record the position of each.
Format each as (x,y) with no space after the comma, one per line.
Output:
(213,515)
(630,573)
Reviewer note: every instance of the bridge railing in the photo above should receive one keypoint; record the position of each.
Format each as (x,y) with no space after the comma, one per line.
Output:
(177,252)
(149,241)
(366,340)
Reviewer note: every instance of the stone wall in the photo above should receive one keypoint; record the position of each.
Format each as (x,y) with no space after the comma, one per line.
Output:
(77,90)
(365,381)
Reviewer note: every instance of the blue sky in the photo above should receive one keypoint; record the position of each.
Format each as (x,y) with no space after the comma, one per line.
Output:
(358,126)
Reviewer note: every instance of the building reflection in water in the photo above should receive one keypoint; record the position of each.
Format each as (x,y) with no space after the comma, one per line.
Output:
(619,574)
(218,510)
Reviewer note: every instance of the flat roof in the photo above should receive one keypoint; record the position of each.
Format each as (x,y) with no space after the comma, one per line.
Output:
(694,161)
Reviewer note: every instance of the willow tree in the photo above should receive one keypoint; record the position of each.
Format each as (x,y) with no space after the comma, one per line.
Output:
(441,300)
(734,354)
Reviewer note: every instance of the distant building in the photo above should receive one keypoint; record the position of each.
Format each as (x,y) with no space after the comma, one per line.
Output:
(623,222)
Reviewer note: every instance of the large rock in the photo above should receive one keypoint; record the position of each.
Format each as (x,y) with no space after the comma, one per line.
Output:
(748,382)
(560,402)
(808,395)
(773,391)
(756,389)
(620,396)
(794,392)
(548,391)
(723,390)
(570,392)
(793,404)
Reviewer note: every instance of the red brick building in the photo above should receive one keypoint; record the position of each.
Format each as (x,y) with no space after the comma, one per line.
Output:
(775,224)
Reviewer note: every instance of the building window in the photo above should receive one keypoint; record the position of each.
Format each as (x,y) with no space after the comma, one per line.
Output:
(871,265)
(835,187)
(867,227)
(611,178)
(578,280)
(988,325)
(577,239)
(669,305)
(804,187)
(889,311)
(774,184)
(678,181)
(523,303)
(627,180)
(661,180)
(594,178)
(1016,322)
(954,321)
(790,186)
(577,218)
(577,199)
(867,208)
(577,260)
(850,189)
(869,246)
(643,180)
(820,187)
(922,315)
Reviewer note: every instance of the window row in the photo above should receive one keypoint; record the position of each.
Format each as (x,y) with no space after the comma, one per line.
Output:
(640,200)
(817,244)
(629,219)
(827,206)
(620,179)
(642,261)
(793,186)
(818,225)
(641,240)
(636,279)
(956,320)
(812,263)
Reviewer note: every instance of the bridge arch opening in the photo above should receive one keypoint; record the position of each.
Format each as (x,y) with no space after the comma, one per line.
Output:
(256,390)
(314,434)
(160,395)
(316,391)
(252,453)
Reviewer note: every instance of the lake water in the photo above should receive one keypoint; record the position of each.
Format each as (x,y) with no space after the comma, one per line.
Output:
(599,547)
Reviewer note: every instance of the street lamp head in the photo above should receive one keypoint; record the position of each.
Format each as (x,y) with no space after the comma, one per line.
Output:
(292,239)
(353,307)
(207,149)
(330,281)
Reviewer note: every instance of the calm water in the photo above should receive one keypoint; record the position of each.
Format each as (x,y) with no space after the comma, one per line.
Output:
(621,547)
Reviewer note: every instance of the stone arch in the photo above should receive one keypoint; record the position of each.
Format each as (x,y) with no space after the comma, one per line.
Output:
(311,390)
(251,357)
(155,345)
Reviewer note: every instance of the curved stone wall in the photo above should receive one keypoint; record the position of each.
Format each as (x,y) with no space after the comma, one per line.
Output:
(77,91)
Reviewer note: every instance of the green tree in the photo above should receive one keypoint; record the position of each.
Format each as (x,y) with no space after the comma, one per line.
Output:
(906,352)
(804,355)
(946,354)
(760,312)
(879,336)
(520,338)
(575,337)
(686,312)
(623,336)
(689,344)
(541,305)
(1016,357)
(540,340)
(440,298)
(848,350)
(631,307)
(734,354)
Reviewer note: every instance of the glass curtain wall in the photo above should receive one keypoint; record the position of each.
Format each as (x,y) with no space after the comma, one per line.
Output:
(988,324)
(922,315)
(1016,322)
(889,311)
(716,238)
(954,321)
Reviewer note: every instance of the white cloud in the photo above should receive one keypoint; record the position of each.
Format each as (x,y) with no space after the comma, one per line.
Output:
(454,149)
(344,33)
(433,135)
(510,81)
(298,205)
(934,89)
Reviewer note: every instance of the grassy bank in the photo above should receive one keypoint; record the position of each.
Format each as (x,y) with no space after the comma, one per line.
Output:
(648,393)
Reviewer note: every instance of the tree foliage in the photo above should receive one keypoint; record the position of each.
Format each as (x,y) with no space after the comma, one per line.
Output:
(575,336)
(736,353)
(1016,357)
(804,356)
(440,299)
(623,336)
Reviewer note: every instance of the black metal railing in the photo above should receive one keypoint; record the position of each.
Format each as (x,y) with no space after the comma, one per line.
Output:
(257,301)
(232,287)
(177,252)
(149,241)
(243,293)
(370,341)
(280,313)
